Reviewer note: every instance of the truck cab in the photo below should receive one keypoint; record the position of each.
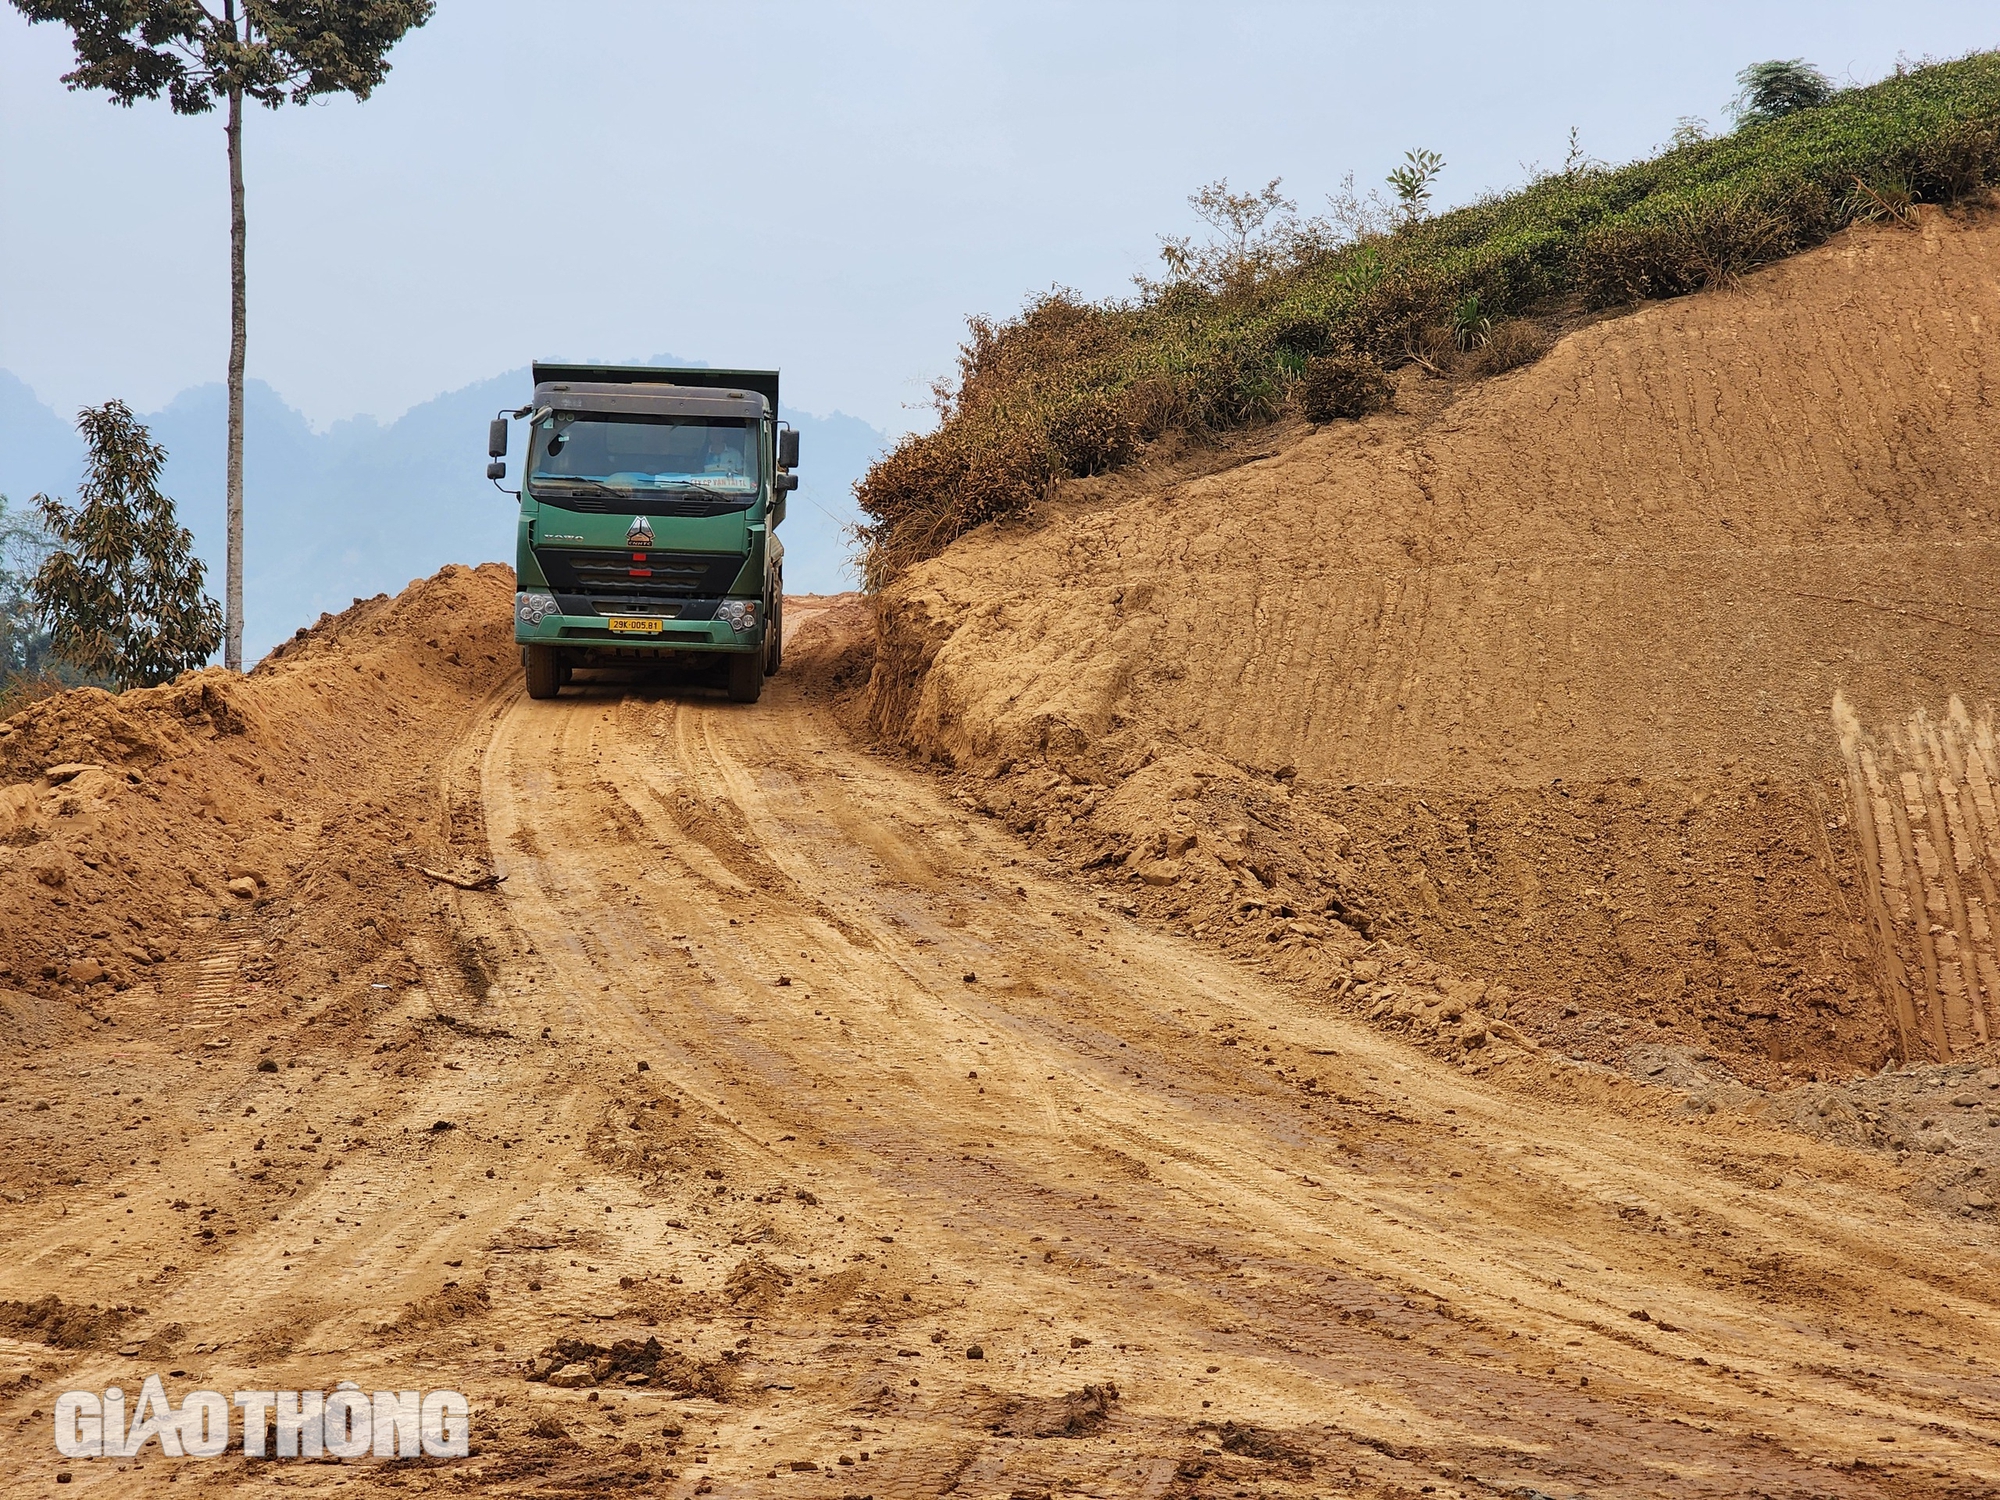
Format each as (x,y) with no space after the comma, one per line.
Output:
(649,506)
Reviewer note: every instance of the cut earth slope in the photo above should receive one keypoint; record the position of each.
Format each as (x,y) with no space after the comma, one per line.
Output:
(1576,685)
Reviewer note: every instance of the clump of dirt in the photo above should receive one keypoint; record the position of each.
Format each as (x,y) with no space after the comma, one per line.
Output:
(1074,1414)
(51,1321)
(1262,1443)
(1535,692)
(449,1304)
(755,1285)
(549,1429)
(574,1363)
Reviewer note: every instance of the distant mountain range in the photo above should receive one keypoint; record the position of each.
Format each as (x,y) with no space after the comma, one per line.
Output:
(361,508)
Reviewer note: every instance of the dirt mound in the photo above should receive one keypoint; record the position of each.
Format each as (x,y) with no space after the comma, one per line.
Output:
(1257,1442)
(1537,692)
(129,820)
(49,1320)
(162,850)
(449,1304)
(573,1363)
(1073,1414)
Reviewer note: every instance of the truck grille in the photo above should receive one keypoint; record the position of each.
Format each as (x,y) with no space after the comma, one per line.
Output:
(627,578)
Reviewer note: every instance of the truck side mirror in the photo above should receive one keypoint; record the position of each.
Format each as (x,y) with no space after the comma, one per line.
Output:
(496,440)
(788,448)
(497,469)
(784,484)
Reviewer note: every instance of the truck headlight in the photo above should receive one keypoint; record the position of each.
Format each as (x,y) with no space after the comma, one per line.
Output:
(532,609)
(738,614)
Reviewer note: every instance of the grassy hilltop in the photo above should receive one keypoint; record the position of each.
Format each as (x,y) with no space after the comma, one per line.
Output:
(1309,319)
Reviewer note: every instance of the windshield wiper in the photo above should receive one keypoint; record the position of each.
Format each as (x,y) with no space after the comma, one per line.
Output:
(598,486)
(593,486)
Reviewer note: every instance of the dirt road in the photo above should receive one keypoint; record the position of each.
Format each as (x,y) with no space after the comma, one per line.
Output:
(1075,1130)
(789,1061)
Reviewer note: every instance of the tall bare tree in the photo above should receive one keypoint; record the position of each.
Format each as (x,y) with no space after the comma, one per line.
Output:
(271,51)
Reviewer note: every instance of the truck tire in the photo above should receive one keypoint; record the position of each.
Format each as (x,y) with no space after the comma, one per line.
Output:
(774,638)
(543,669)
(746,677)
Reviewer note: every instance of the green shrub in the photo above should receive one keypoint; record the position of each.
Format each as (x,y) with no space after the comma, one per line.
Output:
(1772,90)
(120,586)
(1073,388)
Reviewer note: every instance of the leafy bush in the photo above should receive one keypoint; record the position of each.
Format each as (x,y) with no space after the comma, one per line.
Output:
(1772,90)
(1231,335)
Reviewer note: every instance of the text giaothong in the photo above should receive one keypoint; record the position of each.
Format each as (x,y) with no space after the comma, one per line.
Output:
(346,1422)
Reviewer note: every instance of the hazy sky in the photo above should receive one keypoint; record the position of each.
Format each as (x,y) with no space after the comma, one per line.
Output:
(829,188)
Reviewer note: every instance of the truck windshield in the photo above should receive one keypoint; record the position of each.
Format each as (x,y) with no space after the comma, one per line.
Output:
(699,456)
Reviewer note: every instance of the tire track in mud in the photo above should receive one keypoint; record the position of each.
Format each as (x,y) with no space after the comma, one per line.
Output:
(1416,1272)
(1925,797)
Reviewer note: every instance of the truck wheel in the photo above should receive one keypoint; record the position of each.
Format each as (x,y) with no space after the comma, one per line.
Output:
(543,669)
(746,677)
(774,649)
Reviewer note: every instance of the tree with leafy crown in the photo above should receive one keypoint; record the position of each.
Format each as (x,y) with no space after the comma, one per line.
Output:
(1784,86)
(121,590)
(270,51)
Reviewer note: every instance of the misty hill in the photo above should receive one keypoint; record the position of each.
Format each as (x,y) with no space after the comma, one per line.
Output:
(364,506)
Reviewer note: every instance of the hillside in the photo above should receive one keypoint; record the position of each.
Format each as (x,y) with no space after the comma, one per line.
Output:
(1550,677)
(1307,316)
(1444,953)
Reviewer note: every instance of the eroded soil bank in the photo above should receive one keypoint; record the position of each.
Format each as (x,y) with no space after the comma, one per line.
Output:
(1651,682)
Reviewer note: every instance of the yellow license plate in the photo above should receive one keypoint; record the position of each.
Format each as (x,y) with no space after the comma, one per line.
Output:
(635,625)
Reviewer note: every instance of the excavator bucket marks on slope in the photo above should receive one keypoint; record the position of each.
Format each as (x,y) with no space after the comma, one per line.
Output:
(1926,802)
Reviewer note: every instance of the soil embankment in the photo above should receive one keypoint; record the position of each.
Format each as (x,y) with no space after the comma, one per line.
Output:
(146,832)
(1601,683)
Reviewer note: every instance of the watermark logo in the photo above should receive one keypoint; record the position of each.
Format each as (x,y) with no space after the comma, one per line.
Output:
(346,1422)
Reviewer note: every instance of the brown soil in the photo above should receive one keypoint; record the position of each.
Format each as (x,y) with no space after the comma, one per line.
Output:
(1595,682)
(1169,1091)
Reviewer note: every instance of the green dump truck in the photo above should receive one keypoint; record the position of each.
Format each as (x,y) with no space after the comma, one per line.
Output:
(650,503)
